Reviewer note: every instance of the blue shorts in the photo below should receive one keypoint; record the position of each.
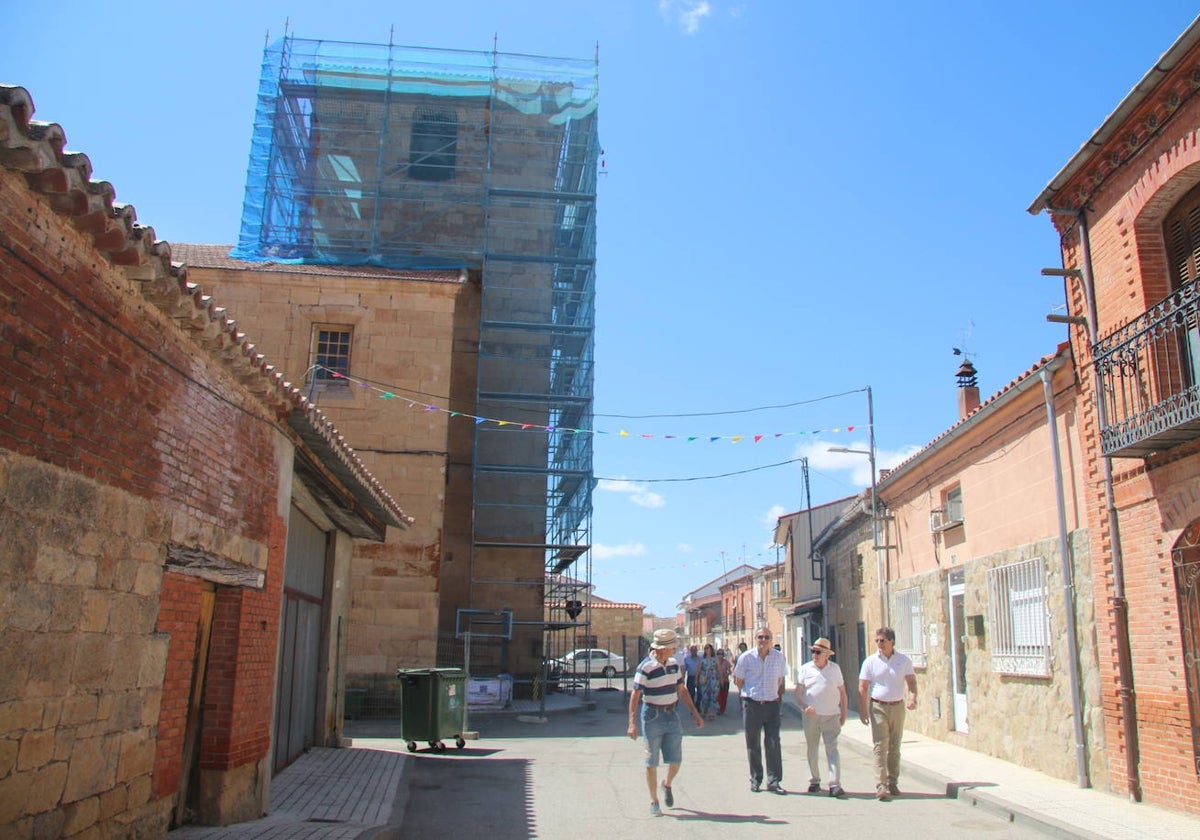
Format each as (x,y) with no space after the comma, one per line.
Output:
(664,735)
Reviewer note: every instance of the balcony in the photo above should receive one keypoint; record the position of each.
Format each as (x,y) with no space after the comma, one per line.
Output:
(1149,377)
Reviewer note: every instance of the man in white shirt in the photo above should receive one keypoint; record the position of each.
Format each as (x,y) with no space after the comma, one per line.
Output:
(821,693)
(759,676)
(881,683)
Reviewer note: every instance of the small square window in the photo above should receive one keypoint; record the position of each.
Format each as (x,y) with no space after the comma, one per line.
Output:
(331,354)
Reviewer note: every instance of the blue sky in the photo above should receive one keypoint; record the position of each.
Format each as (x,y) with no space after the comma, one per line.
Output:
(800,200)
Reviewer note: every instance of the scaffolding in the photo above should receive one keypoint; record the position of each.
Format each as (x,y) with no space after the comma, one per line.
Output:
(417,158)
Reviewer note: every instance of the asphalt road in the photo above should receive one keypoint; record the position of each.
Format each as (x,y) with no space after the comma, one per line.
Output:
(579,776)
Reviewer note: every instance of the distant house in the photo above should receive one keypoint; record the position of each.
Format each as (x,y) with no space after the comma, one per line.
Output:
(591,621)
(798,596)
(720,611)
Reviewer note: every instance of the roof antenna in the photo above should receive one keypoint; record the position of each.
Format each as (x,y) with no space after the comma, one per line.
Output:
(965,337)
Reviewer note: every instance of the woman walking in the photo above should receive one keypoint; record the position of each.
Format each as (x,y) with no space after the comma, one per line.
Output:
(724,670)
(706,681)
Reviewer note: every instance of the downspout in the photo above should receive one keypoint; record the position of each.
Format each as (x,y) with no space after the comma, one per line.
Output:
(1120,604)
(1068,577)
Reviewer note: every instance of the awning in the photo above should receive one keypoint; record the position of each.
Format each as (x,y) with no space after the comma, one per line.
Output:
(805,607)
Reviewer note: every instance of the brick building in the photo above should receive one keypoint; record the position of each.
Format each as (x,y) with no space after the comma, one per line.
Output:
(405,333)
(421,224)
(986,578)
(1126,209)
(176,525)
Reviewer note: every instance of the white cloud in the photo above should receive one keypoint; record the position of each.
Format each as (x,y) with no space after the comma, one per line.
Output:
(638,494)
(687,13)
(771,517)
(607,552)
(684,548)
(855,462)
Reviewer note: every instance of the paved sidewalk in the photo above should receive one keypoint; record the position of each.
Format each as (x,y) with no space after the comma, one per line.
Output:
(1058,807)
(326,794)
(349,794)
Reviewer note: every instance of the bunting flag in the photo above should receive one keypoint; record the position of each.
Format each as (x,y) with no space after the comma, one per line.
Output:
(517,425)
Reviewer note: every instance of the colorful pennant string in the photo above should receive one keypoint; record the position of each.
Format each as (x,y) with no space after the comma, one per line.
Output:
(757,438)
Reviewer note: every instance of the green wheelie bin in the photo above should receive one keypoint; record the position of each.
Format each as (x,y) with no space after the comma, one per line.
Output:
(433,706)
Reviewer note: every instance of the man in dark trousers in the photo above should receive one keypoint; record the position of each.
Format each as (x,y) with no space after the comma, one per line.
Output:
(759,676)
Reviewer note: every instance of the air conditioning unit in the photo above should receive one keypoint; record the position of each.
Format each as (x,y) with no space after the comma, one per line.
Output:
(943,519)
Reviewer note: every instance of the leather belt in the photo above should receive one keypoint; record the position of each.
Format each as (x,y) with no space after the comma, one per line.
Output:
(749,700)
(887,702)
(669,708)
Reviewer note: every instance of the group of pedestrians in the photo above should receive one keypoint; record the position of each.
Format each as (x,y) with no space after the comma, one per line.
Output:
(707,679)
(661,683)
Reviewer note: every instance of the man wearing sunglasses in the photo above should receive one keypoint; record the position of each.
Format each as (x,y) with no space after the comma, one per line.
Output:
(759,676)
(821,695)
(881,683)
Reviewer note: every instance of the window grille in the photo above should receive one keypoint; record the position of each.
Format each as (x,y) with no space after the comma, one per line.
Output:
(909,612)
(331,354)
(1018,618)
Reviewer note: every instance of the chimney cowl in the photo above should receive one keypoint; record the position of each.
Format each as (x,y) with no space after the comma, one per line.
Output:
(967,375)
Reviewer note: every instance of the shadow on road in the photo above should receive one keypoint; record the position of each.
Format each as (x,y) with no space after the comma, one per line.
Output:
(491,797)
(734,819)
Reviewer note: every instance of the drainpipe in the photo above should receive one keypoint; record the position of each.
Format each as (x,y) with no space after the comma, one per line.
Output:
(1068,577)
(1120,604)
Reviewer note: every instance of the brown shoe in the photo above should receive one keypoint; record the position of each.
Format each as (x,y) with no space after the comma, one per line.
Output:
(881,793)
(893,789)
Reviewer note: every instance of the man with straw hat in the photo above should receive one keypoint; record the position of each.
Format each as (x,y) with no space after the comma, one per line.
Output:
(821,693)
(658,689)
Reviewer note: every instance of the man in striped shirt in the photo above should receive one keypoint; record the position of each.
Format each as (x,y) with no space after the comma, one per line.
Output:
(658,688)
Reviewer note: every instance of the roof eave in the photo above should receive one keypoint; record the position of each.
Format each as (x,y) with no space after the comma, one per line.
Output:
(1165,64)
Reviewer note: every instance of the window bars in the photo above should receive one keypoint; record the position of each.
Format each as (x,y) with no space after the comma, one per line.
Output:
(1018,613)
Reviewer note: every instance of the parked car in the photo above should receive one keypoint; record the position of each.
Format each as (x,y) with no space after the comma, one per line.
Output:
(590,661)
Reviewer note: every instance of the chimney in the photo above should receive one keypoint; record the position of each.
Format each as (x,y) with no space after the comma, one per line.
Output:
(968,389)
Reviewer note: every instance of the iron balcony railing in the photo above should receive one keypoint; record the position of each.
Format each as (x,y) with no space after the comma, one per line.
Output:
(1149,378)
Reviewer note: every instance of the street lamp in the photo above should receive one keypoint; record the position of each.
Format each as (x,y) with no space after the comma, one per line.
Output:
(870,453)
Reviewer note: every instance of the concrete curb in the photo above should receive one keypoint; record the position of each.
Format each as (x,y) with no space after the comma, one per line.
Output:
(966,792)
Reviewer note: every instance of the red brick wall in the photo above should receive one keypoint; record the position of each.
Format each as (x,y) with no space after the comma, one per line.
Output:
(101,384)
(98,382)
(1152,497)
(178,614)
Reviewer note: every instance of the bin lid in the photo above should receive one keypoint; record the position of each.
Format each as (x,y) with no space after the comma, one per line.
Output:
(440,672)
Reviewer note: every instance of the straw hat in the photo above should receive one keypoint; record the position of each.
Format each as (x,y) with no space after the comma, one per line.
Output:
(822,645)
(664,638)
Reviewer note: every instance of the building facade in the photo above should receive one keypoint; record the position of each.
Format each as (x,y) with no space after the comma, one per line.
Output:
(987,576)
(177,521)
(394,338)
(478,163)
(1125,209)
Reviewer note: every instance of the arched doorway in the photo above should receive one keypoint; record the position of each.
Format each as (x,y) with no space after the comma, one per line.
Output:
(1185,558)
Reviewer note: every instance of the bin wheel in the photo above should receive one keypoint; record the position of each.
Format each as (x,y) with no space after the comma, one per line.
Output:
(412,746)
(460,742)
(438,746)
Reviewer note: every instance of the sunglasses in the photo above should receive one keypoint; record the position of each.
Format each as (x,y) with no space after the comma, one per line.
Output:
(763,638)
